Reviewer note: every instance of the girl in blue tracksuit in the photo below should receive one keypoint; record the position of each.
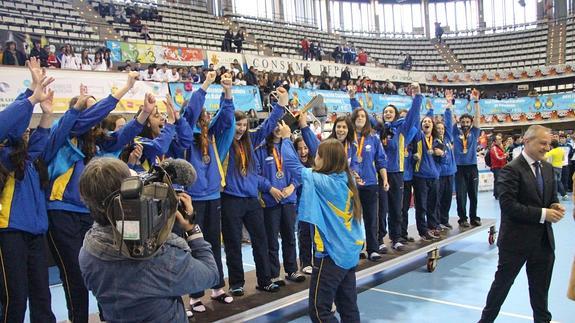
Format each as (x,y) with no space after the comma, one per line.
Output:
(306,147)
(428,157)
(330,203)
(74,141)
(23,217)
(407,190)
(240,200)
(448,167)
(343,131)
(279,215)
(205,192)
(395,133)
(371,161)
(160,138)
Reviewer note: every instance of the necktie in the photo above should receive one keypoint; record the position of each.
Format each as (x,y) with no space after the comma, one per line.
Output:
(538,177)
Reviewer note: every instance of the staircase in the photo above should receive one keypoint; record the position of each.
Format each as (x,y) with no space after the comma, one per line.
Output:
(99,24)
(448,56)
(556,41)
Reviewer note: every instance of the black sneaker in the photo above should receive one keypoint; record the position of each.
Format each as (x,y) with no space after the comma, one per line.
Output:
(429,236)
(278,281)
(476,222)
(271,288)
(447,225)
(238,291)
(374,256)
(382,249)
(295,277)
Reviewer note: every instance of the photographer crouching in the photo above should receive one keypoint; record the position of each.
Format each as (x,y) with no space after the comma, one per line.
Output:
(137,269)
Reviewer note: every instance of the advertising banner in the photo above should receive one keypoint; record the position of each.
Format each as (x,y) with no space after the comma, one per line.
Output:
(148,54)
(223,58)
(245,97)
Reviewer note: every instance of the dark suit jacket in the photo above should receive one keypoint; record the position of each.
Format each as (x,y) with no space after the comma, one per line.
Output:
(521,206)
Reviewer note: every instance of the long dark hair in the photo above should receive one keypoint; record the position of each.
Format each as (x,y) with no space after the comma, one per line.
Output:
(88,140)
(146,130)
(18,157)
(434,129)
(366,131)
(349,139)
(244,142)
(310,159)
(202,139)
(334,160)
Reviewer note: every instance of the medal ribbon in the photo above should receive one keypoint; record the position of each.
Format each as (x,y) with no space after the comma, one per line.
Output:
(429,141)
(360,147)
(464,140)
(243,157)
(277,159)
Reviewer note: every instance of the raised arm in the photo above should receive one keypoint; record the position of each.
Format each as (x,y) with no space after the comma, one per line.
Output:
(271,122)
(290,157)
(223,120)
(448,115)
(193,109)
(475,98)
(413,115)
(355,105)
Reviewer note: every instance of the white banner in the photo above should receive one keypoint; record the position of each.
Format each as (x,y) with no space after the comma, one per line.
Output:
(280,65)
(15,80)
(223,58)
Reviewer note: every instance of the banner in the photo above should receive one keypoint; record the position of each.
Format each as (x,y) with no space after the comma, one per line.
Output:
(553,107)
(245,97)
(223,59)
(280,65)
(67,85)
(148,54)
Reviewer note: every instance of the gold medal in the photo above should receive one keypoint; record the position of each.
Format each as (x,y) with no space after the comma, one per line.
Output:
(244,172)
(430,152)
(359,159)
(206,159)
(465,151)
(279,174)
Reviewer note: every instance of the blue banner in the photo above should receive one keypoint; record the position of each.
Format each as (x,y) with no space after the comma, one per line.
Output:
(245,97)
(546,107)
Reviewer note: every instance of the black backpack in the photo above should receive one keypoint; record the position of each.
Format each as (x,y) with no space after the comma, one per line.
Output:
(488,158)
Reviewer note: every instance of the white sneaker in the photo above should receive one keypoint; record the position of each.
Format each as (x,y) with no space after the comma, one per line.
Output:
(307,270)
(565,197)
(382,248)
(374,256)
(398,246)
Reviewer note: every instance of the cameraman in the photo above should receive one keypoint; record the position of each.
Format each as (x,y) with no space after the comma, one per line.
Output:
(146,289)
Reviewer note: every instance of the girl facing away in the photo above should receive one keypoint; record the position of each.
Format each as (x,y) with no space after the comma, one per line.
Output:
(331,202)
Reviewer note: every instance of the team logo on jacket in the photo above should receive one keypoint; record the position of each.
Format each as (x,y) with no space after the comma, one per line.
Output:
(367,147)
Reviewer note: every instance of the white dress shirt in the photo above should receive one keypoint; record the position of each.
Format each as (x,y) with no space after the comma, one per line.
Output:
(531,163)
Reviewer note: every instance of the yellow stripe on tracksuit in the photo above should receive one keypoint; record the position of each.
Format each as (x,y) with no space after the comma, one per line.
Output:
(420,154)
(6,200)
(401,151)
(60,184)
(220,167)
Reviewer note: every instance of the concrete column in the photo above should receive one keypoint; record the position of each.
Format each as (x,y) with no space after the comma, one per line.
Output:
(560,7)
(426,24)
(226,6)
(278,9)
(328,15)
(481,14)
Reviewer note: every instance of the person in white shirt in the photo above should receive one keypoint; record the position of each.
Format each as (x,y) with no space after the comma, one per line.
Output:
(99,64)
(239,79)
(150,74)
(85,61)
(173,76)
(162,74)
(68,59)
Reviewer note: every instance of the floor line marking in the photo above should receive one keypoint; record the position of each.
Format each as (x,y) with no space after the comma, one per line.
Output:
(471,307)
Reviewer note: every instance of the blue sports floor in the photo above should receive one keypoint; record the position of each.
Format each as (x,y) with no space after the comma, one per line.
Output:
(456,291)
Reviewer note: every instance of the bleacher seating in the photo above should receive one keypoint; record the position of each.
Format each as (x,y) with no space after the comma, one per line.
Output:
(570,42)
(182,25)
(525,49)
(57,20)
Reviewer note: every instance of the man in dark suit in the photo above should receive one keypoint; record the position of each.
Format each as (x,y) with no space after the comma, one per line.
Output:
(529,205)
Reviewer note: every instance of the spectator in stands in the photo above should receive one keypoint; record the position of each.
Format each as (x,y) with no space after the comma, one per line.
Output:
(150,74)
(353,53)
(135,23)
(362,57)
(324,74)
(306,74)
(145,33)
(438,31)
(227,42)
(345,74)
(239,40)
(107,57)
(85,61)
(12,56)
(312,50)
(308,85)
(194,76)
(251,78)
(337,54)
(68,59)
(319,51)
(325,85)
(40,53)
(347,54)
(99,64)
(173,75)
(236,67)
(52,58)
(238,79)
(304,43)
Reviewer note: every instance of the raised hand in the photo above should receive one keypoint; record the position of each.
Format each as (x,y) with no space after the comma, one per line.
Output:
(47,104)
(415,88)
(135,155)
(82,102)
(173,115)
(36,72)
(211,77)
(351,90)
(132,78)
(283,96)
(40,94)
(227,85)
(285,131)
(302,118)
(475,95)
(149,104)
(449,96)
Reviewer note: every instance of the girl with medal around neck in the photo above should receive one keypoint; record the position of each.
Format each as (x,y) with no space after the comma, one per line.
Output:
(343,131)
(371,160)
(240,204)
(395,134)
(448,168)
(279,216)
(205,192)
(428,156)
